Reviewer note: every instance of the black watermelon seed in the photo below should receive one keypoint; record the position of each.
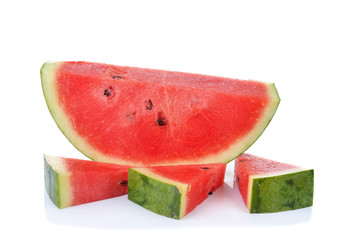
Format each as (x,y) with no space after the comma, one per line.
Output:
(118,77)
(205,168)
(124,183)
(108,92)
(161,122)
(210,193)
(149,105)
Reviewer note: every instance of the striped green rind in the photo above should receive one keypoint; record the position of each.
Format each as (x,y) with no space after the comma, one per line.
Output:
(51,183)
(283,192)
(155,195)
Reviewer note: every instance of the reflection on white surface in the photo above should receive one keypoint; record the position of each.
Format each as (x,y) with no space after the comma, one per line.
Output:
(224,208)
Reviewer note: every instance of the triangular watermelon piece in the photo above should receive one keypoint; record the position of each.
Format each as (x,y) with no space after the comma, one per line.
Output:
(268,186)
(71,182)
(174,191)
(143,117)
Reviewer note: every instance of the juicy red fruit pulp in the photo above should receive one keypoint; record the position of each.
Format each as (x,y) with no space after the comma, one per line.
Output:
(149,115)
(94,181)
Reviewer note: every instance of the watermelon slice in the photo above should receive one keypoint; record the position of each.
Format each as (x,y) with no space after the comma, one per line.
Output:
(174,191)
(268,186)
(143,117)
(71,182)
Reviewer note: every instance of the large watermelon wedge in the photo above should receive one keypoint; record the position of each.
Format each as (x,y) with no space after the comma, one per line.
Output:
(174,191)
(71,182)
(268,186)
(143,117)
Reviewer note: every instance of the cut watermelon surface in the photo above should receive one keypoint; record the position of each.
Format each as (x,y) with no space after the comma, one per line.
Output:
(143,117)
(71,182)
(268,186)
(174,191)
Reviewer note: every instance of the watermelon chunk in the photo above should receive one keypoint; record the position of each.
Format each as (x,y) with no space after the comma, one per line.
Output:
(174,191)
(71,182)
(268,186)
(143,117)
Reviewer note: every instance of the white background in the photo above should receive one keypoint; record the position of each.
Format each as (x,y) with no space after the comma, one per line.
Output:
(301,46)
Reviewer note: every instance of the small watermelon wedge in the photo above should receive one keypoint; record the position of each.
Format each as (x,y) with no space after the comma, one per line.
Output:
(174,191)
(71,182)
(146,117)
(268,186)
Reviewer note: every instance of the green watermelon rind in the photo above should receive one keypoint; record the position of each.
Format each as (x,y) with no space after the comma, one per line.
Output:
(281,192)
(63,122)
(156,193)
(57,181)
(51,183)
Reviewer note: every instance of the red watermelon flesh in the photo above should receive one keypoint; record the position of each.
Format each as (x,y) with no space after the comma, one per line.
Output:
(71,182)
(140,117)
(174,191)
(270,186)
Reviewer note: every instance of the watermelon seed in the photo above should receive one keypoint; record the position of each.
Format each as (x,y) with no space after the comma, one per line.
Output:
(124,183)
(149,104)
(205,168)
(108,92)
(210,193)
(161,121)
(118,77)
